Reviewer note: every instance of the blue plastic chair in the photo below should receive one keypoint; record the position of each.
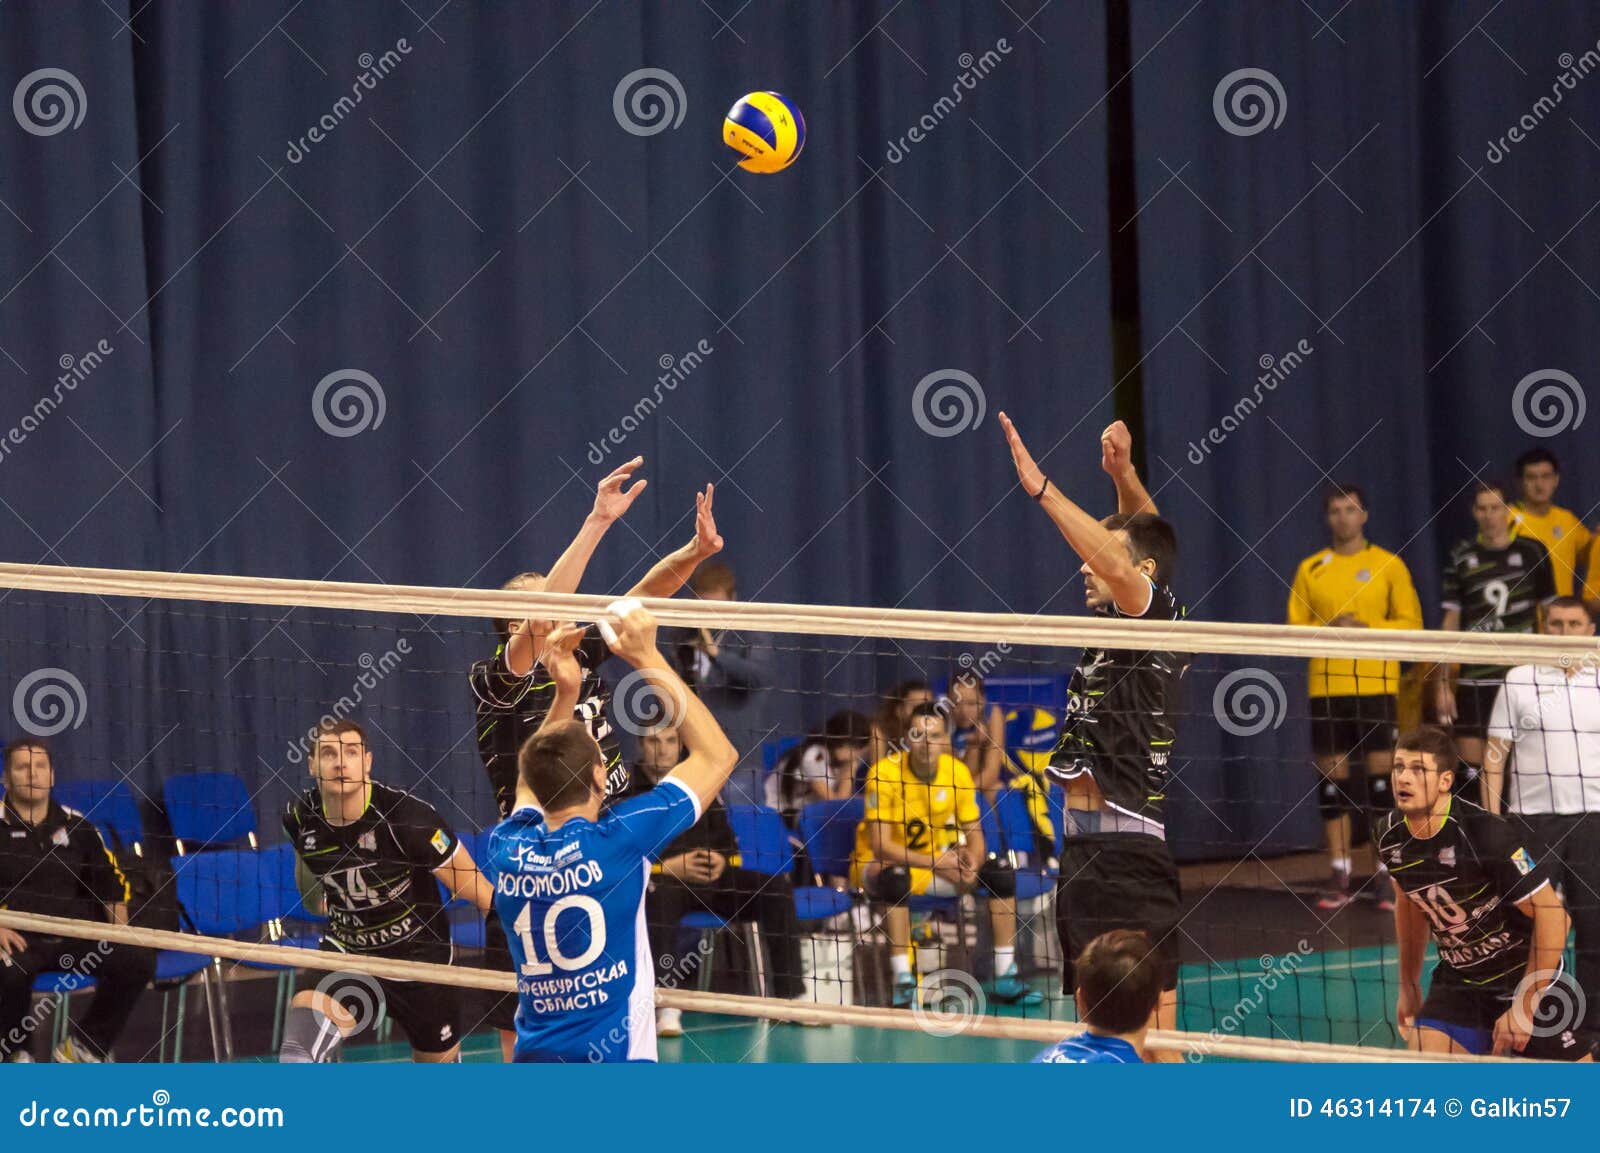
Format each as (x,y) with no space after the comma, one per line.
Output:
(110,804)
(764,846)
(61,986)
(828,832)
(208,810)
(221,894)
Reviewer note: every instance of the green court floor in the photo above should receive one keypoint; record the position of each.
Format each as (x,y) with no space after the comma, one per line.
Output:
(1344,996)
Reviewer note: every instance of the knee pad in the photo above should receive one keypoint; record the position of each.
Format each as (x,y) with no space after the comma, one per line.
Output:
(314,1030)
(893,884)
(1330,799)
(1380,798)
(997,878)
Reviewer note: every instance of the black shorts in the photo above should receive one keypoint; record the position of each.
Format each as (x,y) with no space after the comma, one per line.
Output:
(485,1007)
(1117,881)
(1474,703)
(1467,1013)
(1352,725)
(429,1014)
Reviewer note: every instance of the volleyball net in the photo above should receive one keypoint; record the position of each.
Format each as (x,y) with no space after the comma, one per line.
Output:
(181,713)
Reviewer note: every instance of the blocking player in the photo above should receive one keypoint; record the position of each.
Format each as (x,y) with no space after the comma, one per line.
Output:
(1461,875)
(1352,584)
(1494,583)
(512,698)
(375,853)
(1117,737)
(920,836)
(1537,515)
(570,883)
(1119,986)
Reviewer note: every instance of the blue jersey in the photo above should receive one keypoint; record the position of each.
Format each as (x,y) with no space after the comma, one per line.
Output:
(572,903)
(1089,1049)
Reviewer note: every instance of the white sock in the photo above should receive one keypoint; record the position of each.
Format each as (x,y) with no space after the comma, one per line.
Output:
(1341,864)
(900,963)
(1005,959)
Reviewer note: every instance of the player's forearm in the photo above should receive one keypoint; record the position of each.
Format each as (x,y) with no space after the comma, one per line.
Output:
(1132,496)
(117,911)
(568,570)
(670,573)
(1550,925)
(1411,936)
(888,851)
(561,708)
(1496,754)
(1090,539)
(712,757)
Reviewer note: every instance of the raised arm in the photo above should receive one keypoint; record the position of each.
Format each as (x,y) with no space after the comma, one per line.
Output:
(1116,457)
(461,877)
(672,572)
(1092,541)
(559,661)
(612,498)
(712,757)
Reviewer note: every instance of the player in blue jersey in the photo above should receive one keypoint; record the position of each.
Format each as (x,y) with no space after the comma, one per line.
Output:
(1119,986)
(571,883)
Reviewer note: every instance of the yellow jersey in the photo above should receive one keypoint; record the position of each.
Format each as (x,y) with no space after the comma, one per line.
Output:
(1375,586)
(923,816)
(1591,579)
(1564,535)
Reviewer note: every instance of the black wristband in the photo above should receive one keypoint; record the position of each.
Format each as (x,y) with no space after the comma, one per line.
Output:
(1043,488)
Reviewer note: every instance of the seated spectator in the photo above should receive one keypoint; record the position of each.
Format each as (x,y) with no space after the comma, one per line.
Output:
(894,716)
(921,837)
(727,672)
(53,862)
(978,737)
(822,769)
(1118,988)
(700,873)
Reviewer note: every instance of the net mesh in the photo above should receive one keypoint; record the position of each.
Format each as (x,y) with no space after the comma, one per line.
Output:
(177,708)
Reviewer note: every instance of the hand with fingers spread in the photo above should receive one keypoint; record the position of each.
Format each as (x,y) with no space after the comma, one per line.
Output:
(707,541)
(11,942)
(612,498)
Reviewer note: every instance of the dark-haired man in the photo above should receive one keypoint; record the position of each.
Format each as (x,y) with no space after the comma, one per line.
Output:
(1537,515)
(1119,986)
(570,883)
(1493,583)
(53,862)
(1116,871)
(1352,584)
(1462,875)
(376,853)
(513,698)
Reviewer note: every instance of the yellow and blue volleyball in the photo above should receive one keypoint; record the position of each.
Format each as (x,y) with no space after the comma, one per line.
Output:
(767,129)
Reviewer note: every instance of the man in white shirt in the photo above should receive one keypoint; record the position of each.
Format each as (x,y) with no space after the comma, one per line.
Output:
(1545,727)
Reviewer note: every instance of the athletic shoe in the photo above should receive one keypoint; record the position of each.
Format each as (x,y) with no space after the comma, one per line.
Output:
(1337,894)
(1009,990)
(69,1053)
(20,1057)
(905,991)
(669,1022)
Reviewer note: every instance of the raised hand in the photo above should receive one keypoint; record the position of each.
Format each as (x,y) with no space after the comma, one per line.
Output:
(1029,474)
(611,498)
(1116,449)
(636,638)
(558,656)
(707,541)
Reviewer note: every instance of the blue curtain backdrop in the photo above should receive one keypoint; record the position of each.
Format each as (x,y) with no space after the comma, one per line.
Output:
(482,237)
(1354,201)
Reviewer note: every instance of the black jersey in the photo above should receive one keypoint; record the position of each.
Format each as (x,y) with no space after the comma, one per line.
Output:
(1118,727)
(377,873)
(59,867)
(1467,879)
(510,709)
(1497,591)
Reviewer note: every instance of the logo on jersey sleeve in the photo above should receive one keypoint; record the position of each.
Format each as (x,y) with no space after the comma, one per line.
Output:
(1522,861)
(440,840)
(59,837)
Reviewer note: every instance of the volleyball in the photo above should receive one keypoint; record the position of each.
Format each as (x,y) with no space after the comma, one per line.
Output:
(767,129)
